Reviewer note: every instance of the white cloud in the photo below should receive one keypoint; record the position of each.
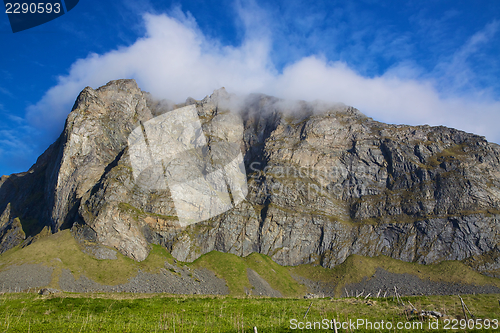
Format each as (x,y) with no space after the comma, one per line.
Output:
(175,60)
(388,98)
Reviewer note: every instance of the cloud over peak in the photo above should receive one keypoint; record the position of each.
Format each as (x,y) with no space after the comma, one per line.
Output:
(176,60)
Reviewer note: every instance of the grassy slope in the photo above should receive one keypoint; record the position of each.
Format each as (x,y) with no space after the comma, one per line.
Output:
(234,270)
(355,268)
(228,266)
(63,246)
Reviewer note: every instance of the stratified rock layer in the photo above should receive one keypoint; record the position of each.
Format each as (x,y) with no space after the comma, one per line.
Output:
(322,185)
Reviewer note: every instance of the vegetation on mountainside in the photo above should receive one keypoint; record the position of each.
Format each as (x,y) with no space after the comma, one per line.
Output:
(62,251)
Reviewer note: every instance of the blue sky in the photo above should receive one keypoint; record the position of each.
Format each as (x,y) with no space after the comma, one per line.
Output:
(409,62)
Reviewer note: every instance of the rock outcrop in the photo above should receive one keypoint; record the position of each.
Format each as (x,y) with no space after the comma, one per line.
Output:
(323,184)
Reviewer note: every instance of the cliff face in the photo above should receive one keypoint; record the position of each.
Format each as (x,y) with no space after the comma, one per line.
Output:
(322,185)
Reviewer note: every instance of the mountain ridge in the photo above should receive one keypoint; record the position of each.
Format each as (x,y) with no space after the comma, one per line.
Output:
(322,186)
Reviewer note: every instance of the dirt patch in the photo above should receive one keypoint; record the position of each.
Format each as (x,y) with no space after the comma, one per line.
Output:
(260,286)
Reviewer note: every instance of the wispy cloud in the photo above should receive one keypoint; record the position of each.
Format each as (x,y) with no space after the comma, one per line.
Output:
(16,119)
(456,73)
(175,59)
(17,148)
(15,145)
(11,140)
(6,92)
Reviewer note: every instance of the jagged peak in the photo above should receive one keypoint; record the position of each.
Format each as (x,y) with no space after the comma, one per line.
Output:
(90,95)
(87,95)
(120,84)
(216,96)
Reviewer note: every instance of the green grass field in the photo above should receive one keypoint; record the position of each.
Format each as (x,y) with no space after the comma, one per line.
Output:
(155,313)
(101,312)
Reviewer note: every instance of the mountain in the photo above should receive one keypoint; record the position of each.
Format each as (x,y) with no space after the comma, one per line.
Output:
(324,182)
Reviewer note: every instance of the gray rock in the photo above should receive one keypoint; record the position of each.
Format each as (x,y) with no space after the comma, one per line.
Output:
(48,291)
(18,278)
(384,282)
(182,281)
(11,230)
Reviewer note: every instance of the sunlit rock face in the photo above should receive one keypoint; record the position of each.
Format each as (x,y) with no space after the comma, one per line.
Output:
(300,182)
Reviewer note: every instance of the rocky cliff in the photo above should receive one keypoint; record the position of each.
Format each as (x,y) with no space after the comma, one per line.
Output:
(324,182)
